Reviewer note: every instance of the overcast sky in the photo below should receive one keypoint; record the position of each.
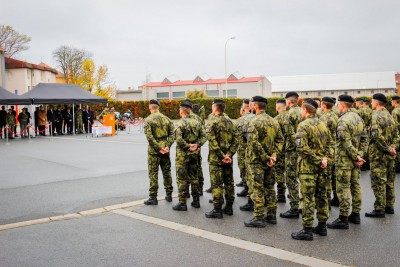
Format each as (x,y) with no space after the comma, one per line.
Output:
(186,38)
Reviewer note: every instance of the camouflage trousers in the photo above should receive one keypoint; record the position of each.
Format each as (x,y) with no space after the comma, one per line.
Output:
(262,186)
(200,172)
(222,178)
(331,184)
(313,191)
(348,190)
(187,172)
(79,126)
(292,182)
(279,174)
(382,182)
(153,163)
(241,156)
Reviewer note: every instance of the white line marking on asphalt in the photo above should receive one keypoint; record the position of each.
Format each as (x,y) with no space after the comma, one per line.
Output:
(99,140)
(231,241)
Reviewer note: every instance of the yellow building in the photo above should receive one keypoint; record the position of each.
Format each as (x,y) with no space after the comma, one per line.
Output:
(60,78)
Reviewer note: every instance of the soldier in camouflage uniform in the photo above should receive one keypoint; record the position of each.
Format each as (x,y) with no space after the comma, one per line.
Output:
(365,112)
(222,137)
(396,116)
(291,122)
(350,149)
(159,131)
(190,136)
(279,168)
(330,119)
(384,141)
(79,121)
(315,148)
(264,143)
(319,109)
(10,121)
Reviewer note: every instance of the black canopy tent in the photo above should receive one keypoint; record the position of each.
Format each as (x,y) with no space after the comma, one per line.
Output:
(8,98)
(55,93)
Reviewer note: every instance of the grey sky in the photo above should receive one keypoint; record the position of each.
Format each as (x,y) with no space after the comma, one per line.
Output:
(187,38)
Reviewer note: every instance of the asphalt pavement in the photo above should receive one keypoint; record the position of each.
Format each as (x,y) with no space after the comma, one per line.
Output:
(62,175)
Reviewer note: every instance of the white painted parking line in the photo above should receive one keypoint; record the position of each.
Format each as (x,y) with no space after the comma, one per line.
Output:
(231,241)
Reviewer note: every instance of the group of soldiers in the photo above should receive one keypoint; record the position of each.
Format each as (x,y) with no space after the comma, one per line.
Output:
(315,152)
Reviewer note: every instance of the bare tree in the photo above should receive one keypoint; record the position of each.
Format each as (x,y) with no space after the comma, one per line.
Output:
(69,60)
(12,41)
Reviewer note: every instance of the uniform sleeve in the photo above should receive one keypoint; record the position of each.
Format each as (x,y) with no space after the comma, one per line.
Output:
(202,135)
(235,141)
(377,136)
(303,148)
(150,138)
(330,148)
(344,139)
(252,140)
(213,143)
(364,142)
(170,139)
(180,141)
(279,141)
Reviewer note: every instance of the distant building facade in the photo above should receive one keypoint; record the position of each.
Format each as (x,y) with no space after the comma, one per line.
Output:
(333,85)
(2,68)
(22,76)
(129,95)
(398,82)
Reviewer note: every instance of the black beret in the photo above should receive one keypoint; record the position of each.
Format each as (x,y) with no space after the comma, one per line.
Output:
(290,94)
(359,99)
(155,102)
(328,99)
(218,101)
(259,99)
(246,101)
(346,98)
(186,104)
(380,97)
(310,102)
(189,101)
(366,100)
(281,101)
(396,97)
(317,99)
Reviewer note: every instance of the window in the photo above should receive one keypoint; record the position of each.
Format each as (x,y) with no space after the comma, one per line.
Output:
(178,95)
(306,93)
(332,93)
(281,95)
(319,93)
(386,91)
(345,93)
(162,96)
(232,93)
(359,92)
(212,93)
(372,91)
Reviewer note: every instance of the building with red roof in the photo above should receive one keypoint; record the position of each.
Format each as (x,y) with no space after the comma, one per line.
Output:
(238,87)
(21,76)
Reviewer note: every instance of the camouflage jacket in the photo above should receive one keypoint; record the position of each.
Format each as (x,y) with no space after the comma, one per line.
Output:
(330,119)
(202,113)
(335,109)
(189,130)
(159,131)
(291,122)
(351,141)
(365,114)
(313,144)
(319,112)
(78,115)
(264,139)
(10,119)
(384,133)
(23,118)
(222,136)
(396,116)
(242,125)
(280,120)
(196,117)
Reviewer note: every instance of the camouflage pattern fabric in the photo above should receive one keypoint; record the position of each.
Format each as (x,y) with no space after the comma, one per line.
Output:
(79,121)
(396,116)
(279,169)
(242,125)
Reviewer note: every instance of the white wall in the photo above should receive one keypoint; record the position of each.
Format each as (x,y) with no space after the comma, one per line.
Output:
(25,79)
(129,96)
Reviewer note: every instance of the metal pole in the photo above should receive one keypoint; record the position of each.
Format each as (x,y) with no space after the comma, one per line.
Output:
(73,118)
(226,75)
(7,135)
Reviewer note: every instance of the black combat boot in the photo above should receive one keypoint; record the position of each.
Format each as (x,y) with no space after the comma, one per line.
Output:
(168,198)
(212,201)
(375,214)
(196,202)
(340,223)
(256,222)
(290,214)
(180,207)
(320,229)
(228,209)
(249,206)
(389,210)
(240,184)
(200,189)
(271,219)
(334,201)
(244,192)
(215,213)
(304,234)
(209,190)
(354,218)
(151,201)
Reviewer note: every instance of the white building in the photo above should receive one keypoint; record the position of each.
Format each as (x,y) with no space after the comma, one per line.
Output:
(21,76)
(333,85)
(129,95)
(238,87)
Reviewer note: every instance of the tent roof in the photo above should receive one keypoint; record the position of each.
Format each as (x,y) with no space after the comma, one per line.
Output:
(8,98)
(55,93)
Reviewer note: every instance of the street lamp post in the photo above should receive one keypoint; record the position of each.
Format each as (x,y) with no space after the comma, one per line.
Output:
(226,77)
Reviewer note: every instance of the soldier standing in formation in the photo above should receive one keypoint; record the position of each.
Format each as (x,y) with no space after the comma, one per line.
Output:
(159,131)
(279,169)
(189,136)
(222,137)
(264,143)
(396,116)
(314,148)
(382,151)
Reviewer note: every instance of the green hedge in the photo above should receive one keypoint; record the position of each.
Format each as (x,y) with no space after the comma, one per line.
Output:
(171,107)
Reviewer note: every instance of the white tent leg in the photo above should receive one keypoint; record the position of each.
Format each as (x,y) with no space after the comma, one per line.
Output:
(73,118)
